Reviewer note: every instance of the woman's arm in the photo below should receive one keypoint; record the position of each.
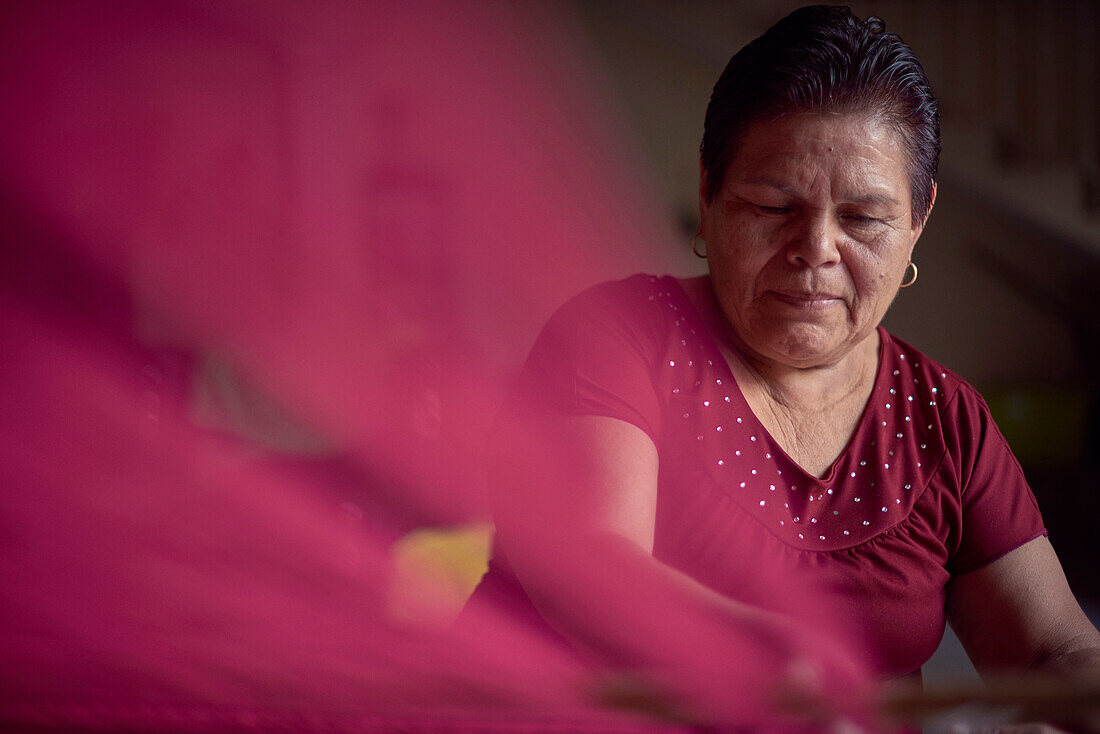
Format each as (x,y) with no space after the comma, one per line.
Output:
(577,516)
(1018,615)
(605,480)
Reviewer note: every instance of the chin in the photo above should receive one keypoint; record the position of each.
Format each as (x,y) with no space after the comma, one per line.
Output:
(804,346)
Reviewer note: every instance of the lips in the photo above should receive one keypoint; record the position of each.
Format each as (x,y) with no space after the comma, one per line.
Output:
(806,300)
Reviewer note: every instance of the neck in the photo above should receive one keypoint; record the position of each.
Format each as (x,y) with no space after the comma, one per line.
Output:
(809,387)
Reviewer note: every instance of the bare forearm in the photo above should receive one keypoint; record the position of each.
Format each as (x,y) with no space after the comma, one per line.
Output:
(584,613)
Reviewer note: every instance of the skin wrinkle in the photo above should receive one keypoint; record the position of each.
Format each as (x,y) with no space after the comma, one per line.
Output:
(808,422)
(1081,645)
(822,185)
(797,422)
(871,111)
(808,241)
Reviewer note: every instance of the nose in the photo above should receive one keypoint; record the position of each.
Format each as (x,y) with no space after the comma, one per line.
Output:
(813,242)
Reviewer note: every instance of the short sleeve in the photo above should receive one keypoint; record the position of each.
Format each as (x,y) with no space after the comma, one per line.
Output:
(999,511)
(596,356)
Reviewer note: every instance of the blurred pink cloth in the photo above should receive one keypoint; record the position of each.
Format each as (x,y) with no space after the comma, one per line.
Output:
(362,212)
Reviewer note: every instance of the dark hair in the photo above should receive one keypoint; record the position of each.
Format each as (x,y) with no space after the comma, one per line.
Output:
(822,59)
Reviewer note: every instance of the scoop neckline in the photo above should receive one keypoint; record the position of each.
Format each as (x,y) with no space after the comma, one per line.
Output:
(842,458)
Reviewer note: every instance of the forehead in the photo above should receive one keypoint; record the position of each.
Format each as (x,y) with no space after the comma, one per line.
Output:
(816,154)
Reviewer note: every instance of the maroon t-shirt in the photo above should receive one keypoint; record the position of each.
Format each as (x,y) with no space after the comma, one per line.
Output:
(926,489)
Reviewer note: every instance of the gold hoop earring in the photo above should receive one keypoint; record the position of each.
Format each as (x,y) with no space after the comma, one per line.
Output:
(695,247)
(911,281)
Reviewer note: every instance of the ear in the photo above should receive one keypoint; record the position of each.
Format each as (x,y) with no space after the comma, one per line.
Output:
(919,229)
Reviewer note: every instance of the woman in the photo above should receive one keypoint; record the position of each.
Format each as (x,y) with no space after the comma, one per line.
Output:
(762,412)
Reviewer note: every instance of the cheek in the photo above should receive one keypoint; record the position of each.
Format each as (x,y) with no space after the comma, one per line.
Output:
(725,271)
(872,277)
(739,271)
(880,264)
(723,255)
(749,252)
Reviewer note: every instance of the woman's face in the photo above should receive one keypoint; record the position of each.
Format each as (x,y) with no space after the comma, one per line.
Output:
(809,236)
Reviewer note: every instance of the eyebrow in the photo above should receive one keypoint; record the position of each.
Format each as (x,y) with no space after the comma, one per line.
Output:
(868,198)
(770,183)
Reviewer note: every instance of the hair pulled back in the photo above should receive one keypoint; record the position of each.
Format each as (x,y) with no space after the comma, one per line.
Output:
(825,60)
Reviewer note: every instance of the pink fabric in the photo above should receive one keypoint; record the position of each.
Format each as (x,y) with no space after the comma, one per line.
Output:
(361,212)
(927,487)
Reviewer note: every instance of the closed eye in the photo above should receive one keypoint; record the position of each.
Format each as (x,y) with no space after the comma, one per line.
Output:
(773,210)
(860,220)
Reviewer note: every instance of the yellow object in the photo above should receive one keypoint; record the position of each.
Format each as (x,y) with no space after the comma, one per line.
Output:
(435,570)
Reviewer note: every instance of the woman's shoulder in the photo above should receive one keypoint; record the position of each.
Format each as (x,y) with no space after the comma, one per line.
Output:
(601,352)
(955,409)
(938,382)
(640,302)
(634,289)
